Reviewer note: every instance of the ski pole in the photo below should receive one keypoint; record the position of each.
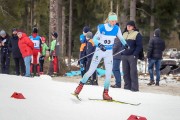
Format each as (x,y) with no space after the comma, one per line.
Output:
(119,52)
(85,56)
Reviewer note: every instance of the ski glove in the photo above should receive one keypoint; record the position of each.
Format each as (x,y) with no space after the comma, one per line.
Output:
(126,47)
(102,47)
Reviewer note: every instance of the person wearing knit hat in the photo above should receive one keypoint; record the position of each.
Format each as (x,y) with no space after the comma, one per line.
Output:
(82,53)
(130,56)
(104,41)
(54,52)
(16,53)
(44,53)
(36,39)
(90,48)
(155,50)
(5,52)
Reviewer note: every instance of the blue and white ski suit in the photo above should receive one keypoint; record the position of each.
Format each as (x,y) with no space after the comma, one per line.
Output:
(104,35)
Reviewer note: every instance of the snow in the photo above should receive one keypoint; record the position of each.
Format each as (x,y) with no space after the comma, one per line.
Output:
(51,100)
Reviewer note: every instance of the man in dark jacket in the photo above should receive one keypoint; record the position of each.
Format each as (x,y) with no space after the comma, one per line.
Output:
(155,49)
(17,56)
(116,63)
(130,56)
(5,52)
(90,48)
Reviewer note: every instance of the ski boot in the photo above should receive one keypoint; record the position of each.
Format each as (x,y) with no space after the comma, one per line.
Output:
(79,88)
(106,95)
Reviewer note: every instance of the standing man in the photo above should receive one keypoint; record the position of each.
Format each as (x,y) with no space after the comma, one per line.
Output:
(26,47)
(36,39)
(104,40)
(155,50)
(17,56)
(5,52)
(116,62)
(130,56)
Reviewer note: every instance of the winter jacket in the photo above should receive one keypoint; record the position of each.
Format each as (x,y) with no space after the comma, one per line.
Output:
(156,46)
(134,40)
(44,48)
(4,49)
(117,48)
(26,46)
(13,47)
(90,47)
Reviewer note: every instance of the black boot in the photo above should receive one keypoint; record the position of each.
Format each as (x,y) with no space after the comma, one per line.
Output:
(151,83)
(157,84)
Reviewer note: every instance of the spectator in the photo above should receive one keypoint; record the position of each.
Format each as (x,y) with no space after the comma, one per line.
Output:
(35,68)
(5,52)
(43,54)
(156,47)
(54,68)
(90,48)
(116,62)
(17,56)
(82,54)
(26,47)
(130,56)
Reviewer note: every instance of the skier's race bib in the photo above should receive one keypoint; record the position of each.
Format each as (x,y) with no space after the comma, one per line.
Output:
(36,43)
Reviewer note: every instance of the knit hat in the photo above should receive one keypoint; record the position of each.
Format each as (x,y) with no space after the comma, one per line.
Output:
(54,34)
(35,30)
(86,29)
(157,32)
(2,32)
(89,35)
(14,29)
(43,39)
(131,23)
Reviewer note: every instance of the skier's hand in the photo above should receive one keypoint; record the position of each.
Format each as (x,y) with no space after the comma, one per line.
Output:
(126,47)
(102,47)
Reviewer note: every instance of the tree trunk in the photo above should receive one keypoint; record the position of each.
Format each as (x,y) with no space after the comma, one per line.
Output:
(111,6)
(152,20)
(70,31)
(53,21)
(63,29)
(60,25)
(133,10)
(32,13)
(124,14)
(117,8)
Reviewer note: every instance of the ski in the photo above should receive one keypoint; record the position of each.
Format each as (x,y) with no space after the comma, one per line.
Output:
(116,101)
(76,95)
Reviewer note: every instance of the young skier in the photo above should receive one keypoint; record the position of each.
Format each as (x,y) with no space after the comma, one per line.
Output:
(35,69)
(83,41)
(43,54)
(104,40)
(53,68)
(90,48)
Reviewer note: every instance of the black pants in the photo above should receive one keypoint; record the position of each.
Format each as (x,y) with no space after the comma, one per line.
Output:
(5,62)
(129,64)
(19,63)
(41,62)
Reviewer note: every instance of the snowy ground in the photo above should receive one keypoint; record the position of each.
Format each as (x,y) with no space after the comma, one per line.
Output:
(47,99)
